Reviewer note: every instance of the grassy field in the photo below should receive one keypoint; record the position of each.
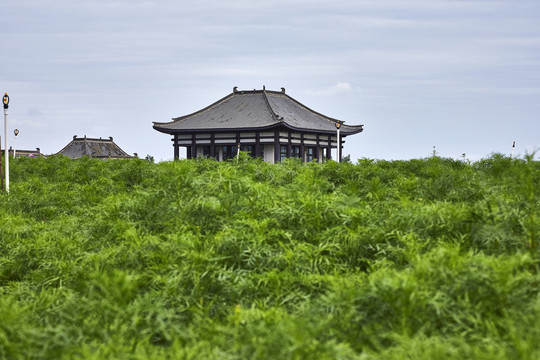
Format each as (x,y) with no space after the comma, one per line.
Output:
(423,259)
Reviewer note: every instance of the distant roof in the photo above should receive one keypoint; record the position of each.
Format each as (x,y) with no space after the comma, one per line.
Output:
(257,109)
(96,148)
(24,153)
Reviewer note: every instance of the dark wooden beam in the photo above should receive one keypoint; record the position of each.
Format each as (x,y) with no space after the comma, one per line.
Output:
(317,149)
(258,144)
(289,145)
(329,153)
(193,147)
(303,156)
(176,147)
(277,157)
(213,146)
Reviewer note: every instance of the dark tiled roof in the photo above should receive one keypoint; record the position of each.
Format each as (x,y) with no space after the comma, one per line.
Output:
(254,110)
(97,148)
(24,153)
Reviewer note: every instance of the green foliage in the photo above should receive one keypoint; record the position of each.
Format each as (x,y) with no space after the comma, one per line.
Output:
(427,259)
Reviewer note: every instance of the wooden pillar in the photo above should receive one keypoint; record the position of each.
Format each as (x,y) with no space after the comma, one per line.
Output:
(193,147)
(258,145)
(277,157)
(289,145)
(329,151)
(176,147)
(317,149)
(212,146)
(303,156)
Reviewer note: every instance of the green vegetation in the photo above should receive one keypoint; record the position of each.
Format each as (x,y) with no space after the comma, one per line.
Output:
(423,259)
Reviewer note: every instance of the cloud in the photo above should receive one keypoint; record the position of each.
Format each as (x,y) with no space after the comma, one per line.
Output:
(339,88)
(33,111)
(30,125)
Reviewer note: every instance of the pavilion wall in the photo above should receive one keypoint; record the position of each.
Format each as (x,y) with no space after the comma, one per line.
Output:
(271,146)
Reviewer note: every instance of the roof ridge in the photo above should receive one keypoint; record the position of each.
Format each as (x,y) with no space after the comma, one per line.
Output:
(65,147)
(87,149)
(96,139)
(274,114)
(322,116)
(318,114)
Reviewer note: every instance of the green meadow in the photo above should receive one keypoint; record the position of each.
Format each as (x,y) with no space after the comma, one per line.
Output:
(430,258)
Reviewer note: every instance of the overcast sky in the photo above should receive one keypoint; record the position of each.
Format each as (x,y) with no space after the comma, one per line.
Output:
(460,75)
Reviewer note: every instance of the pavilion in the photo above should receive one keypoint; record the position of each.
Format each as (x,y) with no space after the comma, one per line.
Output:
(266,124)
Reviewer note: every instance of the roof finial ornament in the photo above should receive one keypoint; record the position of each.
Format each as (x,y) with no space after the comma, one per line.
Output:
(264,87)
(235,89)
(283,90)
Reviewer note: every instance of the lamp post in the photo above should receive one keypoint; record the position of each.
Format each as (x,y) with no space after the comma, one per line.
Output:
(338,126)
(513,148)
(6,154)
(16,132)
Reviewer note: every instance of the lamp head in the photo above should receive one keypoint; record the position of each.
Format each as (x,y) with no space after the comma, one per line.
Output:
(6,101)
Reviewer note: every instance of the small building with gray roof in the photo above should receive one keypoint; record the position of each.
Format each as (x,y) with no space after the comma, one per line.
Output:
(94,148)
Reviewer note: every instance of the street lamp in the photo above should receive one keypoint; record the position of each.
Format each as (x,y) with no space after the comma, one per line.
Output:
(338,126)
(6,155)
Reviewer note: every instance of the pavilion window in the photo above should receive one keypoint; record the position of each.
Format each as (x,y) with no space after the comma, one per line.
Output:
(310,152)
(261,152)
(295,151)
(229,152)
(206,151)
(283,152)
(250,149)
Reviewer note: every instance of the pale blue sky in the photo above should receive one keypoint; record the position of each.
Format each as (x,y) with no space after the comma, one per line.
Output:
(461,75)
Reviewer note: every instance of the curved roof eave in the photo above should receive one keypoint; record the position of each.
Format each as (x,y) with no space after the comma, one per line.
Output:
(353,129)
(165,127)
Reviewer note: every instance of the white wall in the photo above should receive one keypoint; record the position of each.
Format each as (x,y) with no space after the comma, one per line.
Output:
(268,153)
